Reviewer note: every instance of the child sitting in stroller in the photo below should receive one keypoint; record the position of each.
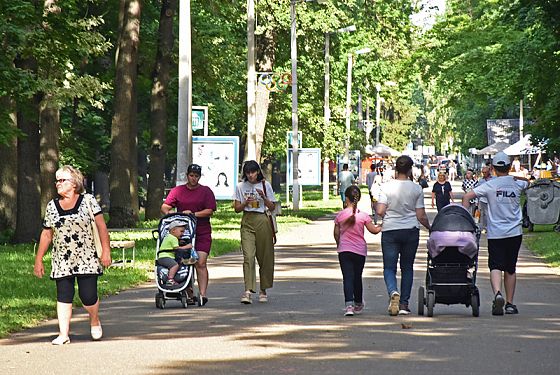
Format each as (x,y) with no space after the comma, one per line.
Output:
(171,242)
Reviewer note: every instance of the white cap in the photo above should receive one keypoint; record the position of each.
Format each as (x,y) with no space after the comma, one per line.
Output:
(501,159)
(176,223)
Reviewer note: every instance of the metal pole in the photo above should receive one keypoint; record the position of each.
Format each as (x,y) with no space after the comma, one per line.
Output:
(327,111)
(348,108)
(521,119)
(327,114)
(368,124)
(295,141)
(251,83)
(184,130)
(377,112)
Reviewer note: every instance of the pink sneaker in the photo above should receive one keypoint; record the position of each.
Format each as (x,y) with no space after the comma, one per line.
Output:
(349,311)
(359,308)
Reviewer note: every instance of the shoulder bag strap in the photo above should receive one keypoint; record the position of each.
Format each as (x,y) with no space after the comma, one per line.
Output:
(270,212)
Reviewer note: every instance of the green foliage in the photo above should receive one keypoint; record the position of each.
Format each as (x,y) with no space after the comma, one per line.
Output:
(483,57)
(383,26)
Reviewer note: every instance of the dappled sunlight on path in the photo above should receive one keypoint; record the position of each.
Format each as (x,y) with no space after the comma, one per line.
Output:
(302,329)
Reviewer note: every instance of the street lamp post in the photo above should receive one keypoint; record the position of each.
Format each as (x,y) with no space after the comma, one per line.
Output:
(327,110)
(378,108)
(348,108)
(184,123)
(251,84)
(377,112)
(349,100)
(295,140)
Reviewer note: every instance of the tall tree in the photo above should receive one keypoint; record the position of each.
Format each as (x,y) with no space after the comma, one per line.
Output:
(8,172)
(28,222)
(49,115)
(482,57)
(159,107)
(123,152)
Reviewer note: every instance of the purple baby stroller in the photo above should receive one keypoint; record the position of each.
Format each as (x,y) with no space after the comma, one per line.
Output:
(452,261)
(185,275)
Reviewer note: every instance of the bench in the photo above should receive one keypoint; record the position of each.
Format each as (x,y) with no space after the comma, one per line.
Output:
(124,245)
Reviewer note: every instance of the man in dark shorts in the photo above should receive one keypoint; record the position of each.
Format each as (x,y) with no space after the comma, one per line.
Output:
(504,229)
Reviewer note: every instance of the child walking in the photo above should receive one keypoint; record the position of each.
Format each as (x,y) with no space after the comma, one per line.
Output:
(352,248)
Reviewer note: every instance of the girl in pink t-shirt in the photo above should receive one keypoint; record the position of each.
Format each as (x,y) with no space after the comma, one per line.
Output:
(352,248)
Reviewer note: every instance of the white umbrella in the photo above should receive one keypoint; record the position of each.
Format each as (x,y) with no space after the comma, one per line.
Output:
(382,150)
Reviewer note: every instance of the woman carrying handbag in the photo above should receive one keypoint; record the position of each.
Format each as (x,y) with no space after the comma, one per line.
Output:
(257,234)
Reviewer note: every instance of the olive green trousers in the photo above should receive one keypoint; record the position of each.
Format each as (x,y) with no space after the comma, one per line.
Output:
(256,242)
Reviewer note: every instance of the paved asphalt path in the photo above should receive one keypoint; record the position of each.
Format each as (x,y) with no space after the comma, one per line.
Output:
(302,329)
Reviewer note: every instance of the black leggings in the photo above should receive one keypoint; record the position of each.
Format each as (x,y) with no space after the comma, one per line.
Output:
(352,266)
(87,289)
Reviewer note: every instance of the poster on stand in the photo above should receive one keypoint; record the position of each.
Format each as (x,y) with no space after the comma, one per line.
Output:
(219,159)
(309,166)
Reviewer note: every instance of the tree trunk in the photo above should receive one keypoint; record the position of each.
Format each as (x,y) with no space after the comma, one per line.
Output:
(158,109)
(123,157)
(50,133)
(265,62)
(8,176)
(134,203)
(28,220)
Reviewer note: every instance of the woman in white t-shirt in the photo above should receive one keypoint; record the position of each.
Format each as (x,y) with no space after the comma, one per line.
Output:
(401,204)
(257,236)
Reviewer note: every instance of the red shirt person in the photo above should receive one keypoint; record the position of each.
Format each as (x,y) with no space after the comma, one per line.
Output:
(197,199)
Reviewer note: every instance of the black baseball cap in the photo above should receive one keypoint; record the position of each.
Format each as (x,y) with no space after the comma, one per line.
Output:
(194,168)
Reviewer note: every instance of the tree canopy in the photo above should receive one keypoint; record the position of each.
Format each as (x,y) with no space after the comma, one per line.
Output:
(478,61)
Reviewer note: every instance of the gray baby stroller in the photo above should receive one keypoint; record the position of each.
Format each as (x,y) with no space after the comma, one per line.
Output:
(185,276)
(452,261)
(543,204)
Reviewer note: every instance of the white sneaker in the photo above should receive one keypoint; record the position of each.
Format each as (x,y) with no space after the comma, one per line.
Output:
(404,310)
(61,340)
(96,332)
(393,308)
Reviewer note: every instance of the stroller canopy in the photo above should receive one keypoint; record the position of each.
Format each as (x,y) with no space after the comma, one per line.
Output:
(454,218)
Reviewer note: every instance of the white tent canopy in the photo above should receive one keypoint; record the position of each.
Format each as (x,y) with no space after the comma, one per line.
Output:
(493,149)
(382,150)
(522,147)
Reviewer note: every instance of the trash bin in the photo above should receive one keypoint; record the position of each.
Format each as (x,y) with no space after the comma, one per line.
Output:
(543,201)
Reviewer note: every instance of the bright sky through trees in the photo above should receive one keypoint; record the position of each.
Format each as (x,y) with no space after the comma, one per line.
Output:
(429,10)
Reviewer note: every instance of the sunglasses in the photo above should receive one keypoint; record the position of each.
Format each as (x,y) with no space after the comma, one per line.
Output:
(61,180)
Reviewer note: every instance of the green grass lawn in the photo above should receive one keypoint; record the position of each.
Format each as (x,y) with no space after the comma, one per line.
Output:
(543,241)
(26,300)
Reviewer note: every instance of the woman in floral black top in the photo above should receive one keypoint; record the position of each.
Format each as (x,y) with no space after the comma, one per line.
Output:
(68,226)
(468,184)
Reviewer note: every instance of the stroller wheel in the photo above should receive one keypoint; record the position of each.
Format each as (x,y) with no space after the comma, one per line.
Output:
(160,301)
(431,302)
(475,304)
(421,301)
(184,301)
